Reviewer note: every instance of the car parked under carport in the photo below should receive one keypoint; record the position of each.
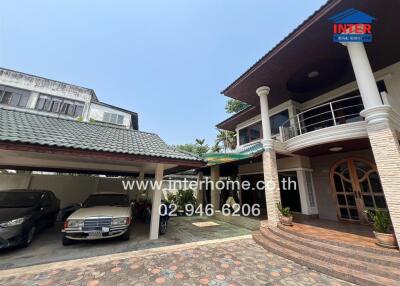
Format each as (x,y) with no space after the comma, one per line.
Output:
(44,143)
(47,246)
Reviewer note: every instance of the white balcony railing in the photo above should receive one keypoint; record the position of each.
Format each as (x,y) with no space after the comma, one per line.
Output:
(333,113)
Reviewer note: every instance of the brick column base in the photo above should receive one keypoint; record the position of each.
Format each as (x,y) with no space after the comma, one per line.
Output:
(272,191)
(386,150)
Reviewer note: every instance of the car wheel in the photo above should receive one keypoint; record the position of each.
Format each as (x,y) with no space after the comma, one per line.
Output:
(29,236)
(126,235)
(66,240)
(163,226)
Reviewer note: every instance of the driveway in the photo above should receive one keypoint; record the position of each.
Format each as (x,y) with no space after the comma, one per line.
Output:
(226,262)
(47,245)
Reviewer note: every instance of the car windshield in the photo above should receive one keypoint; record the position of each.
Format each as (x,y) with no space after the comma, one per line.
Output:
(107,200)
(23,199)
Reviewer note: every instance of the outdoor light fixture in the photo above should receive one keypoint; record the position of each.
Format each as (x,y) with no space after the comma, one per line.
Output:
(335,149)
(313,74)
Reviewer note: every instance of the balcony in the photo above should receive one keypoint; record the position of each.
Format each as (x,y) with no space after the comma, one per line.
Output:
(334,113)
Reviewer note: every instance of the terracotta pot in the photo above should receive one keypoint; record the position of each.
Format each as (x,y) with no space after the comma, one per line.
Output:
(385,239)
(286,220)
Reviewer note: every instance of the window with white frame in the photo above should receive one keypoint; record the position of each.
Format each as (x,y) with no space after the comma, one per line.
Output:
(59,105)
(113,118)
(14,97)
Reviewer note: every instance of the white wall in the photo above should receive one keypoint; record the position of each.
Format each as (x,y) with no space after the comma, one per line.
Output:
(69,189)
(73,189)
(42,85)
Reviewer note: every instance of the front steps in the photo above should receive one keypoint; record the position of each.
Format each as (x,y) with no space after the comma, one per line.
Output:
(354,263)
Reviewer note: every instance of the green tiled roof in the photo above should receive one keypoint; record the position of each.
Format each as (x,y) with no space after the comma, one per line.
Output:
(25,127)
(239,154)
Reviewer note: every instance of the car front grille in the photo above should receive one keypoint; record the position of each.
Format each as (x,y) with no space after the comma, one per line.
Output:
(96,223)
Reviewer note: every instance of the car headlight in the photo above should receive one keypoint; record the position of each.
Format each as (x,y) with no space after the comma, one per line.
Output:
(74,223)
(13,222)
(120,221)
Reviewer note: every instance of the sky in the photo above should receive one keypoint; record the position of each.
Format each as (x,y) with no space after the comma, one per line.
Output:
(166,60)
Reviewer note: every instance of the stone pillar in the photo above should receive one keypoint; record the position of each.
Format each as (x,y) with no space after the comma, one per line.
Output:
(271,179)
(156,202)
(381,133)
(385,146)
(215,196)
(200,196)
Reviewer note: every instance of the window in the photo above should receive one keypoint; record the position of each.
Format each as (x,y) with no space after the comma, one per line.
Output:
(250,133)
(113,118)
(277,120)
(71,110)
(13,96)
(6,98)
(23,102)
(254,132)
(59,105)
(78,110)
(55,106)
(120,119)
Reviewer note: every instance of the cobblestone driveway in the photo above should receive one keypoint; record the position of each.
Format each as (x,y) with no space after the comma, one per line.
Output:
(227,262)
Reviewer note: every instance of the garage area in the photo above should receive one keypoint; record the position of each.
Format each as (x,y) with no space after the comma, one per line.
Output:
(75,159)
(47,245)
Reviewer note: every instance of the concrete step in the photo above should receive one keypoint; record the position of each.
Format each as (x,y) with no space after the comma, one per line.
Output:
(329,256)
(333,267)
(376,251)
(359,254)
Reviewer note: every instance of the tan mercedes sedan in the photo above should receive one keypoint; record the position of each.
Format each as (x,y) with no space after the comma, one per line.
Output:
(103,215)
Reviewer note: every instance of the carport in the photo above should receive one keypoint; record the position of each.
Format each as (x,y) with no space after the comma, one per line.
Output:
(31,141)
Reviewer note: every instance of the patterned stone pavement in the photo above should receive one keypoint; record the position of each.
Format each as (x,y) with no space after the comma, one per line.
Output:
(224,263)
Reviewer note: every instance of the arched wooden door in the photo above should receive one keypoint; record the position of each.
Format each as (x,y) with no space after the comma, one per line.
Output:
(356,187)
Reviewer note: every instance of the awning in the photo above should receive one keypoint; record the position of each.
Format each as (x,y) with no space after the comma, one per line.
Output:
(246,152)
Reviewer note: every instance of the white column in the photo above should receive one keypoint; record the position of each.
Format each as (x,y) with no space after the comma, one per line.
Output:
(200,188)
(156,202)
(271,178)
(214,190)
(306,193)
(364,75)
(266,125)
(381,133)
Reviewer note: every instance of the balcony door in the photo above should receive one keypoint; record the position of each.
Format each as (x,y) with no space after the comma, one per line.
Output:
(356,187)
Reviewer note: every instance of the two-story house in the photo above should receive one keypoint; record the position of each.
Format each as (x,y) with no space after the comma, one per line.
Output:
(35,94)
(324,114)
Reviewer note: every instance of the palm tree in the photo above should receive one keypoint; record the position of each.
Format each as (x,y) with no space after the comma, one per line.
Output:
(216,148)
(200,141)
(227,138)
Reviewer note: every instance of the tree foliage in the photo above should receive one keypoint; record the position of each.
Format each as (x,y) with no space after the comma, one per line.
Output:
(199,147)
(227,139)
(234,106)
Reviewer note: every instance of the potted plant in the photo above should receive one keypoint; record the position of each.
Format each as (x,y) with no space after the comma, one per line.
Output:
(285,217)
(382,228)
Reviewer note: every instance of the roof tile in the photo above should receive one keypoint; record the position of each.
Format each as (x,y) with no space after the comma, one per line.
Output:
(25,127)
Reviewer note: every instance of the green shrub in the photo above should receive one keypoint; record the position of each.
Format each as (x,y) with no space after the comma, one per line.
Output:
(381,220)
(284,211)
(185,197)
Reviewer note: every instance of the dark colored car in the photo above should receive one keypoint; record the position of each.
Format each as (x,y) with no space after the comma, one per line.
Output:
(142,211)
(23,213)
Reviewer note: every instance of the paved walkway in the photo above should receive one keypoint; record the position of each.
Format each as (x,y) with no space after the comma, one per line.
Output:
(236,261)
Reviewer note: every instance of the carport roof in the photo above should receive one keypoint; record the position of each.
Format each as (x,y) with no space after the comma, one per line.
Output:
(29,128)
